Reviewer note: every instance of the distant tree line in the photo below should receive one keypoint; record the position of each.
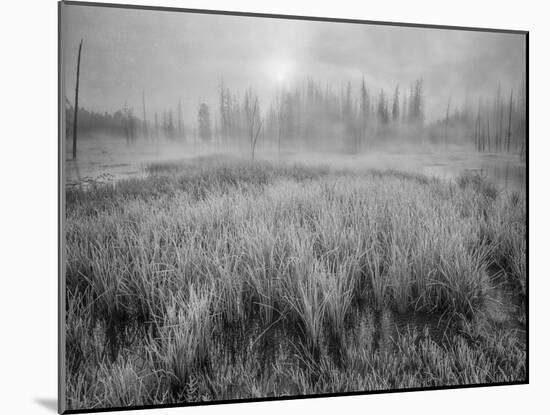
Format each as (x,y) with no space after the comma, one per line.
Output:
(350,119)
(321,117)
(124,123)
(495,124)
(119,123)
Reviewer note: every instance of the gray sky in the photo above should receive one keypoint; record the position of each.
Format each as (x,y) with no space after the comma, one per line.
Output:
(172,56)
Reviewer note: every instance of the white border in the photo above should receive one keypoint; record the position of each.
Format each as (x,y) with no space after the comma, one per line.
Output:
(28,100)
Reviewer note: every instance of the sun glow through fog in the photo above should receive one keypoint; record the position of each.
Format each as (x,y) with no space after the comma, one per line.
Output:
(279,70)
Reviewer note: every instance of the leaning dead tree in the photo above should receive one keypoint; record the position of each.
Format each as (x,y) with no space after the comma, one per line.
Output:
(75,122)
(253,119)
(255,139)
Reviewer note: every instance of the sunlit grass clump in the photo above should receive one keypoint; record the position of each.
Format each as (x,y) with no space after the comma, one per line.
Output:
(225,280)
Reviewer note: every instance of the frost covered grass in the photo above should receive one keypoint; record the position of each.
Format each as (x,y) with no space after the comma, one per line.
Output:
(221,279)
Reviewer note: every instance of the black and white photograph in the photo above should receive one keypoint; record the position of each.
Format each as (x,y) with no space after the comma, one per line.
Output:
(261,207)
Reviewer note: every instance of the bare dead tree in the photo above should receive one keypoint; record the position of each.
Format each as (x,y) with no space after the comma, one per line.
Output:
(75,123)
(497,119)
(523,153)
(145,128)
(501,125)
(477,128)
(509,134)
(255,140)
(126,120)
(181,134)
(447,121)
(279,117)
(157,135)
(488,134)
(254,122)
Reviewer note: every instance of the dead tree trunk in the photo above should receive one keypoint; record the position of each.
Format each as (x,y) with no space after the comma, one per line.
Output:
(157,127)
(75,121)
(280,127)
(523,154)
(509,138)
(180,122)
(145,127)
(447,122)
(255,139)
(477,135)
(279,143)
(501,127)
(253,118)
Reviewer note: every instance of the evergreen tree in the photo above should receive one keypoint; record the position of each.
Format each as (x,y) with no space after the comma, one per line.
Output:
(205,130)
(395,106)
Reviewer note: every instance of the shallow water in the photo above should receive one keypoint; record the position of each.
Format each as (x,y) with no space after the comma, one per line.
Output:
(367,329)
(504,170)
(105,160)
(506,174)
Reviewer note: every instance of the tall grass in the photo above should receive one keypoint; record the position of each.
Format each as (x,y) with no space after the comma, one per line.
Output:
(194,266)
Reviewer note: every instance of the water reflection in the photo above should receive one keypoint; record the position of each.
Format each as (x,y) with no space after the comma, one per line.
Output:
(387,325)
(505,174)
(106,161)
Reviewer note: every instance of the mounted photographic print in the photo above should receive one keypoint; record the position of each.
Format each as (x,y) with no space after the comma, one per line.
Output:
(260,207)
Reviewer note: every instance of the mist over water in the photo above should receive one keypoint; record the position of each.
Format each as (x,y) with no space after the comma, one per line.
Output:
(108,159)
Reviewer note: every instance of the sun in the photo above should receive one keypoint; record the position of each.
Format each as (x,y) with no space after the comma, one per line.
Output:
(279,70)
